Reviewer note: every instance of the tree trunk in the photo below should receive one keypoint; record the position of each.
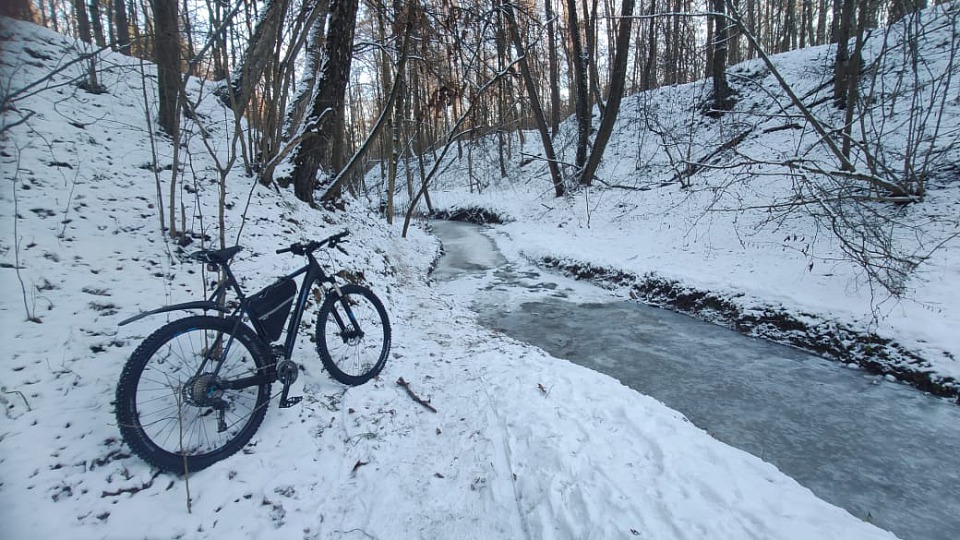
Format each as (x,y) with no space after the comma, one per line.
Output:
(537,110)
(722,94)
(97,24)
(554,68)
(734,54)
(789,26)
(167,55)
(83,21)
(590,54)
(650,65)
(504,106)
(315,54)
(121,26)
(259,52)
(92,84)
(53,16)
(852,92)
(580,91)
(188,38)
(617,81)
(821,23)
(326,115)
(842,66)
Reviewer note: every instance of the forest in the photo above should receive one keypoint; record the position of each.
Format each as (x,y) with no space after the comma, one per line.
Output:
(783,170)
(335,88)
(327,91)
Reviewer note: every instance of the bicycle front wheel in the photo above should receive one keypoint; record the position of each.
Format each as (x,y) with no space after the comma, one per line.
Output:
(176,410)
(353,334)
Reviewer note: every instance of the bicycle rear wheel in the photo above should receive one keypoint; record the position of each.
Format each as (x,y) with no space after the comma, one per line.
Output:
(353,334)
(174,411)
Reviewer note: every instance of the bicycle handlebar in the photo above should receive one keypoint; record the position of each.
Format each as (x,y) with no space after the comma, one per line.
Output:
(303,248)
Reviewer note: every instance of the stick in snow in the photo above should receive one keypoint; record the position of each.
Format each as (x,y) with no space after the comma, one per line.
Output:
(413,396)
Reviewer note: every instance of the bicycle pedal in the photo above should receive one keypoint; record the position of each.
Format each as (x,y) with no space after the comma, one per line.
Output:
(286,403)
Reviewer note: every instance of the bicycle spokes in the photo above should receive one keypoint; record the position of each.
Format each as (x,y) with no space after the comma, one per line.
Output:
(187,398)
(354,338)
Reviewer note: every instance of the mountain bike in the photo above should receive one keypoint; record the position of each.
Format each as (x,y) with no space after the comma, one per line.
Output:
(197,389)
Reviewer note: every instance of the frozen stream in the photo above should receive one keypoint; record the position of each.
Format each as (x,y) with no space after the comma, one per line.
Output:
(884,451)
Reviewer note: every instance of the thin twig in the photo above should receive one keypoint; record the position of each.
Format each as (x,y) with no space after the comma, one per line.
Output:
(31,314)
(414,396)
(19,393)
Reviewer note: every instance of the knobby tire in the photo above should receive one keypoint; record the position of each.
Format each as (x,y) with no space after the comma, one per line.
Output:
(179,430)
(349,357)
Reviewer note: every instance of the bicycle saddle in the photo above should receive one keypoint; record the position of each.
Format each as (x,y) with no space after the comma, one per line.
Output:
(216,256)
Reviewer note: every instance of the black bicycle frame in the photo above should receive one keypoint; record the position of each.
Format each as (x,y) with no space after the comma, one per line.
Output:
(313,272)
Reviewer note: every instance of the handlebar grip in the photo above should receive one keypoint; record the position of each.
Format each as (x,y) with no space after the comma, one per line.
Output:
(296,249)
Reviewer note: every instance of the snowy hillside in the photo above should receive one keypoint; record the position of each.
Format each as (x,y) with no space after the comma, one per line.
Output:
(726,218)
(522,445)
(82,249)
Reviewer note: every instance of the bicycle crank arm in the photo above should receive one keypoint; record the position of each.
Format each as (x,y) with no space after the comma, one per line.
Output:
(285,402)
(287,373)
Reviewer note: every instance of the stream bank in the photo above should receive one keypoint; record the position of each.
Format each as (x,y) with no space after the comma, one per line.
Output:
(829,339)
(878,448)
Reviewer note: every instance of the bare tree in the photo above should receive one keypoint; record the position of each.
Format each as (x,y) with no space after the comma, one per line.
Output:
(326,115)
(581,92)
(259,52)
(617,81)
(845,19)
(167,56)
(537,109)
(554,78)
(336,186)
(96,24)
(876,173)
(121,26)
(722,94)
(92,83)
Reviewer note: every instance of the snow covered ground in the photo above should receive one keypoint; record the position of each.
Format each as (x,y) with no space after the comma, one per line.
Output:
(81,250)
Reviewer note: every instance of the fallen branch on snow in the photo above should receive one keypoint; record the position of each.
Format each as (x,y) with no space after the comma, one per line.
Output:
(414,396)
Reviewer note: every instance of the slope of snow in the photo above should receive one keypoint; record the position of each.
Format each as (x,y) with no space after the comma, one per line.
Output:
(82,249)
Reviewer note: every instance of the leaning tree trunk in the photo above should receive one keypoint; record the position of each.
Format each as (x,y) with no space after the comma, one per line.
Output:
(260,50)
(536,109)
(326,115)
(617,81)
